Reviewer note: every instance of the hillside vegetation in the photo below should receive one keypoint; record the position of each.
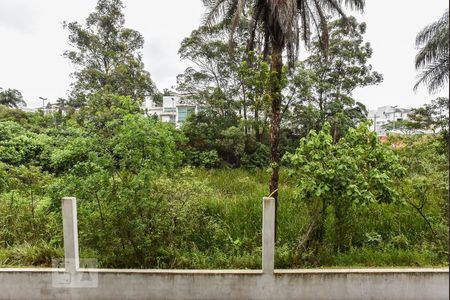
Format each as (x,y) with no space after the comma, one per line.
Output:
(145,209)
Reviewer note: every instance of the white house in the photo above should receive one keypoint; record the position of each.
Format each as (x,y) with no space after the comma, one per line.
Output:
(174,109)
(28,109)
(49,109)
(386,114)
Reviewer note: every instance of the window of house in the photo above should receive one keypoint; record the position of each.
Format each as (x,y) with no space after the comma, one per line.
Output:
(184,112)
(169,109)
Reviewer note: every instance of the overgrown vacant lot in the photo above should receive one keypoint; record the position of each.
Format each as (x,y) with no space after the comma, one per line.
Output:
(382,234)
(141,204)
(174,178)
(212,219)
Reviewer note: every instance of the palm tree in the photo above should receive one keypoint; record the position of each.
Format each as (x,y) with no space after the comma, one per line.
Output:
(62,104)
(433,57)
(283,23)
(11,98)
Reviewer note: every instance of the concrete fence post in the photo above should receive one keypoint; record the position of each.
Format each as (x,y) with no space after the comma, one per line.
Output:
(268,235)
(70,227)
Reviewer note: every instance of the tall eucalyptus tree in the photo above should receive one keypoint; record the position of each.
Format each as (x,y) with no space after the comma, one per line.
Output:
(107,56)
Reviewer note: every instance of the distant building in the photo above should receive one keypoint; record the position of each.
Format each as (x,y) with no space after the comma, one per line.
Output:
(49,109)
(28,109)
(387,114)
(52,108)
(174,109)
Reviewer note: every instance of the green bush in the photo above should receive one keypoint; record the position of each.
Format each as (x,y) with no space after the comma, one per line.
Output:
(259,158)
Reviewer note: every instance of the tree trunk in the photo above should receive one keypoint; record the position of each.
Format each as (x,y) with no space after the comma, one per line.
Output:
(257,130)
(275,95)
(244,104)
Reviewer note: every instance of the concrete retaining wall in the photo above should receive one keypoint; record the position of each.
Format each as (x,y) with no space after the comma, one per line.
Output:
(283,284)
(73,282)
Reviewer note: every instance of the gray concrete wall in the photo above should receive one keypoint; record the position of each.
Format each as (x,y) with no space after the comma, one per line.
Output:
(267,283)
(283,284)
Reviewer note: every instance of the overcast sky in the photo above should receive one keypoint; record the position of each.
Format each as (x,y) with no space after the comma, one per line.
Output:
(33,40)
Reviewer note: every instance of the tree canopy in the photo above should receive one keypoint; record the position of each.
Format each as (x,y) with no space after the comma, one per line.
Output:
(11,98)
(107,56)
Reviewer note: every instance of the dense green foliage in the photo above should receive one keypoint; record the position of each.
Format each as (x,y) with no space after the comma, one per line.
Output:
(321,94)
(234,88)
(334,179)
(153,196)
(138,208)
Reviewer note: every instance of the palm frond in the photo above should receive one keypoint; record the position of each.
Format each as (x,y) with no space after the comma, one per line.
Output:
(434,76)
(356,4)
(284,22)
(433,42)
(433,56)
(238,12)
(323,29)
(305,16)
(215,9)
(333,6)
(434,49)
(431,30)
(257,8)
(283,19)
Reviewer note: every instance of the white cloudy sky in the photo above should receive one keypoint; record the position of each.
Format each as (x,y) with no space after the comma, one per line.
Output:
(32,41)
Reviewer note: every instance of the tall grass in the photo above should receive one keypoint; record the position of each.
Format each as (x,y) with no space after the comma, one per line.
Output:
(384,234)
(221,222)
